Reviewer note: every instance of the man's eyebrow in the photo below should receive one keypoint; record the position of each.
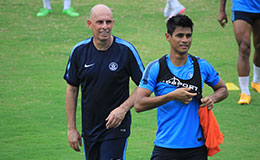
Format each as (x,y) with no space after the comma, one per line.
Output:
(180,34)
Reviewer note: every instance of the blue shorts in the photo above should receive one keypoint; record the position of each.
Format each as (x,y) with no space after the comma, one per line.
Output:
(113,149)
(160,153)
(246,16)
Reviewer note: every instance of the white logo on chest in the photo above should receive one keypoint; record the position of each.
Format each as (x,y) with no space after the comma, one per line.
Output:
(88,65)
(113,66)
(176,82)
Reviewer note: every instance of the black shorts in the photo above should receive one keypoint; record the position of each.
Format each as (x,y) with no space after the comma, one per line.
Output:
(246,16)
(113,149)
(160,153)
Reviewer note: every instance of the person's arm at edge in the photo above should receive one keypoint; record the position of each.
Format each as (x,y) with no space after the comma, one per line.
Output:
(222,18)
(74,137)
(220,93)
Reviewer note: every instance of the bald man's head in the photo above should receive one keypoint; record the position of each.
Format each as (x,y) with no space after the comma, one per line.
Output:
(101,23)
(99,9)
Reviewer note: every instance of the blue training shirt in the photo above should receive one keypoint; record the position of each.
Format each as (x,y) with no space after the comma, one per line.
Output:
(178,123)
(251,6)
(104,80)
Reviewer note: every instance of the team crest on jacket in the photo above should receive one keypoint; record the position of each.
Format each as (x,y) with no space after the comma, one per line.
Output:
(113,66)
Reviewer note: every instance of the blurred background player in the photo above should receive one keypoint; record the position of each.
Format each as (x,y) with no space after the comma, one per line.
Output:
(172,8)
(246,19)
(67,9)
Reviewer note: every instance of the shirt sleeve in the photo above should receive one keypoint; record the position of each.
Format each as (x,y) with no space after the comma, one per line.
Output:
(136,66)
(149,78)
(211,75)
(71,73)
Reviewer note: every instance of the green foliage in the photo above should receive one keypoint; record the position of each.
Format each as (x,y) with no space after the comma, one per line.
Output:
(34,53)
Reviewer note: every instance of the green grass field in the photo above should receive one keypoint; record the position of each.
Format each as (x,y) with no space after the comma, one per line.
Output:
(34,53)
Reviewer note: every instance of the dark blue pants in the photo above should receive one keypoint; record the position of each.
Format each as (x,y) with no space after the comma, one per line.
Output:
(160,153)
(113,149)
(248,17)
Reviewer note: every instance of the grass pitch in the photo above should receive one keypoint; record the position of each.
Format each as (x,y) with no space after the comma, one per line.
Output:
(34,53)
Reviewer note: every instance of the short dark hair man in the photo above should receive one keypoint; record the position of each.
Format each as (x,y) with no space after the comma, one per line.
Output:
(177,80)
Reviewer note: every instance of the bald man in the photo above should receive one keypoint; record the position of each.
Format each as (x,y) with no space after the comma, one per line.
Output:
(101,65)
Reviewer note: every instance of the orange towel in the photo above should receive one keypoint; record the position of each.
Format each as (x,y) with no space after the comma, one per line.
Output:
(213,136)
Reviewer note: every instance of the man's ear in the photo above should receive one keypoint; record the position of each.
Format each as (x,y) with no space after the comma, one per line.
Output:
(89,23)
(167,36)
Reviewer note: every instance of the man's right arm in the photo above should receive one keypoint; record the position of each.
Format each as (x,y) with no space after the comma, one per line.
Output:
(74,137)
(144,102)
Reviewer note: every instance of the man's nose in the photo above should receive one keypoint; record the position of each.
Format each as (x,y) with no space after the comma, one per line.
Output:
(184,38)
(104,25)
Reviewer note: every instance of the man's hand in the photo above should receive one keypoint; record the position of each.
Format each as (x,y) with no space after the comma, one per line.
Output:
(207,101)
(222,19)
(115,117)
(183,95)
(74,139)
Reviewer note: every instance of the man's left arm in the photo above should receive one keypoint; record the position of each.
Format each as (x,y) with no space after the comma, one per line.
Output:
(220,93)
(136,69)
(115,117)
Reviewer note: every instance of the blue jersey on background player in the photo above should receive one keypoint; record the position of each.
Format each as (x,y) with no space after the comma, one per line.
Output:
(246,22)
